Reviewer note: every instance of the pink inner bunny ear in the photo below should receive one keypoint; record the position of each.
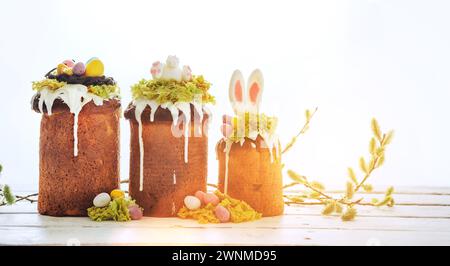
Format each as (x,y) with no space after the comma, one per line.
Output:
(238,91)
(254,92)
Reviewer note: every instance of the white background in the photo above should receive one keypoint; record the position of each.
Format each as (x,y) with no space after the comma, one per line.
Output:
(353,59)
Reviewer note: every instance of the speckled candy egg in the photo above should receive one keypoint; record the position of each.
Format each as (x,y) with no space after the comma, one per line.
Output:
(200,195)
(210,198)
(68,63)
(222,214)
(192,203)
(94,68)
(79,69)
(135,212)
(102,200)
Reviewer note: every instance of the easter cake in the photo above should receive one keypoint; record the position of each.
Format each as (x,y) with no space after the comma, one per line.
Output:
(249,155)
(79,136)
(169,144)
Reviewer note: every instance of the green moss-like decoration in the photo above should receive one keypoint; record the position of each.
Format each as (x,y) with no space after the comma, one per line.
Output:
(173,91)
(260,123)
(104,91)
(50,84)
(117,210)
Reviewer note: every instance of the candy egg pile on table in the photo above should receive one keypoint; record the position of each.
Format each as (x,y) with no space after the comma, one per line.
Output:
(115,206)
(216,208)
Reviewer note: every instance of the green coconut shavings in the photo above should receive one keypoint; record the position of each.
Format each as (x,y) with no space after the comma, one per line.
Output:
(50,84)
(173,91)
(104,91)
(246,123)
(117,210)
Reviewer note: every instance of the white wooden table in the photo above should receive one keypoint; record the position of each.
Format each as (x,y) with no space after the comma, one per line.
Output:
(421,217)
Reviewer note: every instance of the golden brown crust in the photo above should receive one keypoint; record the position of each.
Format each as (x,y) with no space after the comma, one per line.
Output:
(164,156)
(68,184)
(252,177)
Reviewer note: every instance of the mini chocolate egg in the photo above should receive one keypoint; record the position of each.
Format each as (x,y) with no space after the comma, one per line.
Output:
(135,212)
(102,200)
(61,68)
(79,69)
(222,214)
(192,203)
(211,198)
(94,68)
(200,195)
(117,193)
(68,63)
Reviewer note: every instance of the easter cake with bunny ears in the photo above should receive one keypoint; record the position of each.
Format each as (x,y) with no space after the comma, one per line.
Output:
(249,153)
(79,136)
(169,144)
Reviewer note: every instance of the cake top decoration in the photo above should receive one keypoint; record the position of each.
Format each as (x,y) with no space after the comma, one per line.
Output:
(247,122)
(90,75)
(171,83)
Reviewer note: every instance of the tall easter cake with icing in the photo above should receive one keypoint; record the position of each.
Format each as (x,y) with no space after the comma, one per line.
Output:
(79,136)
(249,152)
(169,144)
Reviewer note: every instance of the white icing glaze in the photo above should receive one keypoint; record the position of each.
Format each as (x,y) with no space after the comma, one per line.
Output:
(174,178)
(228,145)
(174,108)
(75,96)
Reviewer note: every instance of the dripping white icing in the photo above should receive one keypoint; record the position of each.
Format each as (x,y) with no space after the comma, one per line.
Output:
(186,110)
(271,141)
(174,108)
(174,178)
(228,145)
(75,96)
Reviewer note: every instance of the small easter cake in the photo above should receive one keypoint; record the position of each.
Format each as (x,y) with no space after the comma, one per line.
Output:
(249,154)
(79,136)
(169,144)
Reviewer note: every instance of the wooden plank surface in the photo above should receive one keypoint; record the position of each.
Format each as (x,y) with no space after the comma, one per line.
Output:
(421,217)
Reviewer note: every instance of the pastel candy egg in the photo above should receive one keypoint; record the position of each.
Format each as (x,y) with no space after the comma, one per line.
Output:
(102,200)
(210,198)
(94,67)
(68,63)
(200,195)
(135,212)
(79,69)
(222,214)
(117,193)
(192,203)
(61,68)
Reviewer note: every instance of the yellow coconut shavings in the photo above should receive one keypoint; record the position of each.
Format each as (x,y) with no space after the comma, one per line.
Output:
(239,210)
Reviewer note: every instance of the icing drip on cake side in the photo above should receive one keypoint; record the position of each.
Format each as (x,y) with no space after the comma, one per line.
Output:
(270,141)
(75,96)
(174,108)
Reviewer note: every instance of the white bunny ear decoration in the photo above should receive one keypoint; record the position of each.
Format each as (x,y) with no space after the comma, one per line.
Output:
(237,92)
(254,91)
